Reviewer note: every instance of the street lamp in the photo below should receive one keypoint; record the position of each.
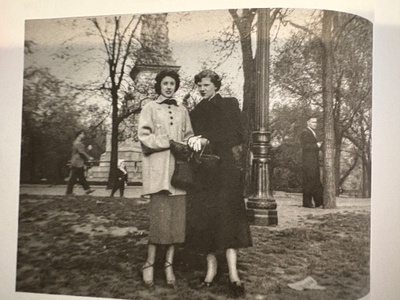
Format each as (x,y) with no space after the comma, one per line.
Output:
(261,206)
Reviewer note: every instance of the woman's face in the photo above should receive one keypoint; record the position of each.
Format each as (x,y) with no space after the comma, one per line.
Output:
(168,87)
(206,88)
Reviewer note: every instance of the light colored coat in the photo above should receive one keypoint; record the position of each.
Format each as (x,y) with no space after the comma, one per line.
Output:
(158,124)
(79,156)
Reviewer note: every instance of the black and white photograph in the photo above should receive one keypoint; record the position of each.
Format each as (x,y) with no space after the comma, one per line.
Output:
(216,153)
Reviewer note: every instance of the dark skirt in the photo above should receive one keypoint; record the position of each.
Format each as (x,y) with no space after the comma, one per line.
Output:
(167,219)
(216,213)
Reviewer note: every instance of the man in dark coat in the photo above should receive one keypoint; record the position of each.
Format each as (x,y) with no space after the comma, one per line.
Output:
(78,159)
(312,187)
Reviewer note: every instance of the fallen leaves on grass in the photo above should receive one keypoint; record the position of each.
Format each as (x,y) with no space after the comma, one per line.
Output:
(74,246)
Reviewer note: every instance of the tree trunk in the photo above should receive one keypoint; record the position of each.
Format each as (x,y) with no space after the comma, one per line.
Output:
(329,178)
(338,150)
(349,170)
(114,140)
(244,25)
(366,171)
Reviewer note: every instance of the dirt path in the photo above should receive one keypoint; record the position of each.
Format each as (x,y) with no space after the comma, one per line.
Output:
(291,214)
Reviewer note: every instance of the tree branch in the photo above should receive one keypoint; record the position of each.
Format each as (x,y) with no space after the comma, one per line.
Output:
(135,108)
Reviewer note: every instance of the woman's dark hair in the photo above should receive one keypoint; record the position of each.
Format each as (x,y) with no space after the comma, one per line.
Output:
(164,73)
(214,77)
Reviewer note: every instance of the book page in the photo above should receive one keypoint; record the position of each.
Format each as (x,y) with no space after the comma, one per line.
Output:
(385,207)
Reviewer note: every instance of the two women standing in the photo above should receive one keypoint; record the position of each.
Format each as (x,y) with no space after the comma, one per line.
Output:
(216,216)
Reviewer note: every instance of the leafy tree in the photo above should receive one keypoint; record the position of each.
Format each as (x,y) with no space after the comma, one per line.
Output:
(297,70)
(287,121)
(49,118)
(53,111)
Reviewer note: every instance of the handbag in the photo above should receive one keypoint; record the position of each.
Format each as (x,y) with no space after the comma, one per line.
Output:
(180,151)
(186,161)
(183,176)
(206,162)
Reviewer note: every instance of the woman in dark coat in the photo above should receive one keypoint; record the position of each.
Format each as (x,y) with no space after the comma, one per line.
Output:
(216,217)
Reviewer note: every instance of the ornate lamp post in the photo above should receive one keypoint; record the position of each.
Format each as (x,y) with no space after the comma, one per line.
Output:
(261,205)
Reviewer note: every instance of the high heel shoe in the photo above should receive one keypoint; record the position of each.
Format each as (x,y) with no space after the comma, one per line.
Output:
(237,289)
(208,284)
(148,283)
(171,282)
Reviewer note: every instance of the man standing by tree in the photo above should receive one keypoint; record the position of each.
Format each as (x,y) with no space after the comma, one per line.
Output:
(79,156)
(312,186)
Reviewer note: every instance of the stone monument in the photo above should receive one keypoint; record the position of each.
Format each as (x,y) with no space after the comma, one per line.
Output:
(154,56)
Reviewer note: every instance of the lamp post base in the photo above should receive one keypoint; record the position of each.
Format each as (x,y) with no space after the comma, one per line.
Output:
(262,212)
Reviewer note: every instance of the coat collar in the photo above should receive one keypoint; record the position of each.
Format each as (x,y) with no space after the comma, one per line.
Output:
(161,98)
(213,100)
(313,132)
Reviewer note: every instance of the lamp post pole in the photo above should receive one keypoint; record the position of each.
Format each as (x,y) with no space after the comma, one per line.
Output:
(261,206)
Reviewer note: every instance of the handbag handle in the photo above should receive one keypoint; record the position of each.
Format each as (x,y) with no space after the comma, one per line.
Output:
(202,150)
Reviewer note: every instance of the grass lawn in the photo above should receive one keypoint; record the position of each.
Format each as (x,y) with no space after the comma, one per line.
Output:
(95,246)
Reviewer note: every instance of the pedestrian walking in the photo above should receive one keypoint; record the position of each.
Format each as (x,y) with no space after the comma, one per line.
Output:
(121,179)
(78,159)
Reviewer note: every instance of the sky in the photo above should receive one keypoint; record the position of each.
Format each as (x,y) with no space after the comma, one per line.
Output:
(190,39)
(190,35)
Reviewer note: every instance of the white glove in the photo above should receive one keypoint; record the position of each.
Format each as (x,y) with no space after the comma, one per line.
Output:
(193,140)
(199,144)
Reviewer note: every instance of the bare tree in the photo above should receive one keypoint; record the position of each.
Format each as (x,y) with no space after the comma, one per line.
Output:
(120,46)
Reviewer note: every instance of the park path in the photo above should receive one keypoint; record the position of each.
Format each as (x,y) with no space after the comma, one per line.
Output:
(290,211)
(59,190)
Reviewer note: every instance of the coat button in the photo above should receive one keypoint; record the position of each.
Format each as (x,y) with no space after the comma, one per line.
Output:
(171,123)
(171,117)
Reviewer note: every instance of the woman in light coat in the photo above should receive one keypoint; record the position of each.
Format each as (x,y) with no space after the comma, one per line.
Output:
(160,121)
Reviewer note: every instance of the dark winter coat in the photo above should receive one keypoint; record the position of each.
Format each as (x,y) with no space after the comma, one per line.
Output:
(310,159)
(216,209)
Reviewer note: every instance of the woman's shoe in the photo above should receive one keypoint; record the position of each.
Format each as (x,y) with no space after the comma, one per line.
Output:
(170,277)
(208,284)
(148,283)
(237,289)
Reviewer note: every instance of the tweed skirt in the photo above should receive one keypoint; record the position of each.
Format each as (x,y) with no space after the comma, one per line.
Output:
(167,219)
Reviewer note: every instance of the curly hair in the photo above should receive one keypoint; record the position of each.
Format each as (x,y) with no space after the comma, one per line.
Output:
(164,73)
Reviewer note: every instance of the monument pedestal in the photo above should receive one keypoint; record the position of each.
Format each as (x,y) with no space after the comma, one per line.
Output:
(153,56)
(130,152)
